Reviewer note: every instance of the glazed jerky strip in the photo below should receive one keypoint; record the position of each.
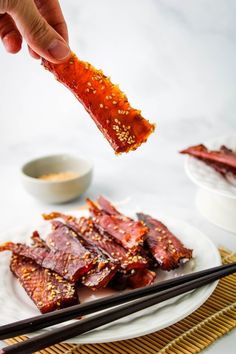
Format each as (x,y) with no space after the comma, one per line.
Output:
(129,233)
(70,268)
(122,125)
(128,261)
(141,278)
(133,272)
(221,168)
(87,230)
(103,272)
(48,290)
(224,156)
(164,246)
(60,239)
(63,238)
(137,279)
(106,206)
(109,209)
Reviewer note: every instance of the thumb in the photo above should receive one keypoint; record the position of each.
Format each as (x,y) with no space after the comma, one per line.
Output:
(39,35)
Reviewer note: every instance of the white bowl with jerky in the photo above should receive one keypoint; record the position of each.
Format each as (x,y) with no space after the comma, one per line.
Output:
(212,167)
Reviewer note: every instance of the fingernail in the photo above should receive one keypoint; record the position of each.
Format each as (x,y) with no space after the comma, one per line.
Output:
(58,49)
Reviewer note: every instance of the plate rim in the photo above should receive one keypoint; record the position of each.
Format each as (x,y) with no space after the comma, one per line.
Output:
(211,288)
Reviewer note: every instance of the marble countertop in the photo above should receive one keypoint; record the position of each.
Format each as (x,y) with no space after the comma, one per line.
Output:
(176,62)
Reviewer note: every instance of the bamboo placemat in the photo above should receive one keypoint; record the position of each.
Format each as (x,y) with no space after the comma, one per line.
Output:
(212,320)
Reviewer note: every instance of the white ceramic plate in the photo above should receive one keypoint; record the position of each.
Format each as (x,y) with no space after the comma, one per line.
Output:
(206,177)
(16,305)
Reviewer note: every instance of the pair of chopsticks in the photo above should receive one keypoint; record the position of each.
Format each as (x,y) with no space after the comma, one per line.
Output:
(141,299)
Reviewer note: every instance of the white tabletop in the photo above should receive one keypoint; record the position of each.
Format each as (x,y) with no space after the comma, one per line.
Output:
(176,62)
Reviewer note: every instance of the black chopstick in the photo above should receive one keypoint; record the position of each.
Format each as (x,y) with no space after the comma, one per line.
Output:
(38,322)
(60,334)
(42,321)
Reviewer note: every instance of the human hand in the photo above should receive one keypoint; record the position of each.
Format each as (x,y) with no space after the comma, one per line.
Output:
(40,23)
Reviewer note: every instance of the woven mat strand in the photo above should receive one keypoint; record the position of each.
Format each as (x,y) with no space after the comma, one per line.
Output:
(216,317)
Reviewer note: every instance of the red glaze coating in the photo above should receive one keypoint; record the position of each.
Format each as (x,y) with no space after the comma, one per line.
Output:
(48,290)
(122,125)
(167,249)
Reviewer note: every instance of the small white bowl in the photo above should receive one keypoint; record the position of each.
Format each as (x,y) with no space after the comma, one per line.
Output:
(60,191)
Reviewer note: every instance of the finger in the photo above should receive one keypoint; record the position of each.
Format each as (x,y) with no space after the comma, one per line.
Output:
(52,13)
(9,34)
(33,54)
(39,35)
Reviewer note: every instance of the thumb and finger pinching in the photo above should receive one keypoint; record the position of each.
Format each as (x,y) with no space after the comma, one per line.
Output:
(22,18)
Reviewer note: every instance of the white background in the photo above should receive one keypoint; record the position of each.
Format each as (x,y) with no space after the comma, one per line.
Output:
(176,62)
